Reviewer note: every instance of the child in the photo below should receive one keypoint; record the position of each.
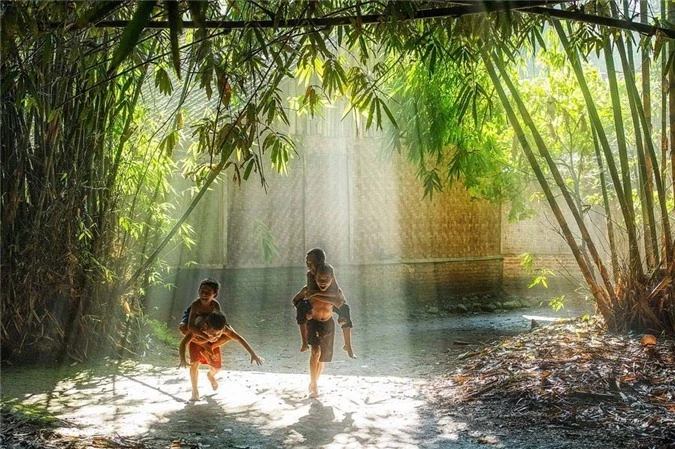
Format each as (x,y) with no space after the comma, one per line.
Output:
(200,307)
(207,350)
(333,295)
(320,329)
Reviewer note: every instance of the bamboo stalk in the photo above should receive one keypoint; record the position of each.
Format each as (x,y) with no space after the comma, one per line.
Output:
(598,293)
(608,210)
(671,104)
(644,191)
(664,105)
(661,194)
(627,212)
(560,182)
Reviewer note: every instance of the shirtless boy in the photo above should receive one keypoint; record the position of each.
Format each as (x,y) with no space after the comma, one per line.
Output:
(200,307)
(206,350)
(334,295)
(320,329)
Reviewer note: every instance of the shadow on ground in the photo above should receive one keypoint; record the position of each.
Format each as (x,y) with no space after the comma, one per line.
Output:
(381,400)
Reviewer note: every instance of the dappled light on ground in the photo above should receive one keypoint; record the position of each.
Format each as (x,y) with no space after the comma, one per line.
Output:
(248,407)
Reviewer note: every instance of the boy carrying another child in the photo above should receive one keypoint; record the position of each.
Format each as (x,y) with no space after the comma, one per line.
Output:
(205,333)
(320,329)
(332,295)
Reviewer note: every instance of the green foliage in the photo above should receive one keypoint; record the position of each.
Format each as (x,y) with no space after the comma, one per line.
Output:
(12,410)
(539,275)
(557,303)
(175,29)
(163,81)
(88,148)
(445,120)
(131,34)
(94,196)
(268,244)
(161,332)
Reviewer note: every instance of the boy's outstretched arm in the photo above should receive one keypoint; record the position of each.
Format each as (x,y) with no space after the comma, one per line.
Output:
(231,334)
(181,349)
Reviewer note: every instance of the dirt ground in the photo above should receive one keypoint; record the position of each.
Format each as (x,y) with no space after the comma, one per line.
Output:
(386,398)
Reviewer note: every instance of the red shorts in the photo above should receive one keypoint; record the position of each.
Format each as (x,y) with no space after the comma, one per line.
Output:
(196,355)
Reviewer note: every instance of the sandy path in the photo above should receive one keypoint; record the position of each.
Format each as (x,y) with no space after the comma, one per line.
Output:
(380,400)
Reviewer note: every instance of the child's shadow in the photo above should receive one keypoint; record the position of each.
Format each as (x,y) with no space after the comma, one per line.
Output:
(319,425)
(204,423)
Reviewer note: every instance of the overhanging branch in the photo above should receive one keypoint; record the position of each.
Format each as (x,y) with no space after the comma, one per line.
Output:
(610,22)
(477,7)
(541,7)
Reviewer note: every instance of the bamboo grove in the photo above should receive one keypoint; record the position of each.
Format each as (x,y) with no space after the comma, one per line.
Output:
(86,162)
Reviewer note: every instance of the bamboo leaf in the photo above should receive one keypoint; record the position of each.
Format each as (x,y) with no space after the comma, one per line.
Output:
(131,34)
(658,44)
(97,12)
(163,81)
(389,114)
(669,64)
(179,119)
(249,168)
(378,114)
(198,12)
(175,29)
(371,113)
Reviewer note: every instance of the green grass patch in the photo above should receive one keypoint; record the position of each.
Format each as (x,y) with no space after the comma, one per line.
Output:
(36,415)
(161,332)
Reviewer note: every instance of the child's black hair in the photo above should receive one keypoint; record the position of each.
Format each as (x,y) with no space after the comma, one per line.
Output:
(318,254)
(325,269)
(215,285)
(216,320)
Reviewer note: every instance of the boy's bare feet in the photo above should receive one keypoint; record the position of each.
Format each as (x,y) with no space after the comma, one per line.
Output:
(212,379)
(313,391)
(304,347)
(350,351)
(194,398)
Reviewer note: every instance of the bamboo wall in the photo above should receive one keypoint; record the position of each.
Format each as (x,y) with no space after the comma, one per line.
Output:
(367,211)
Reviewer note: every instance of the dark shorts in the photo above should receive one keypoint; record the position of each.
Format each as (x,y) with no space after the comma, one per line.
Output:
(322,334)
(186,315)
(302,309)
(344,316)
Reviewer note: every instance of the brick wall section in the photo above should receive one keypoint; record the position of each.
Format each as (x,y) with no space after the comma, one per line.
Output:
(426,281)
(540,237)
(565,281)
(280,207)
(327,207)
(366,211)
(208,221)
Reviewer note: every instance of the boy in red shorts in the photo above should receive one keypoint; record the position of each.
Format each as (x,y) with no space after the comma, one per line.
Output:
(205,348)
